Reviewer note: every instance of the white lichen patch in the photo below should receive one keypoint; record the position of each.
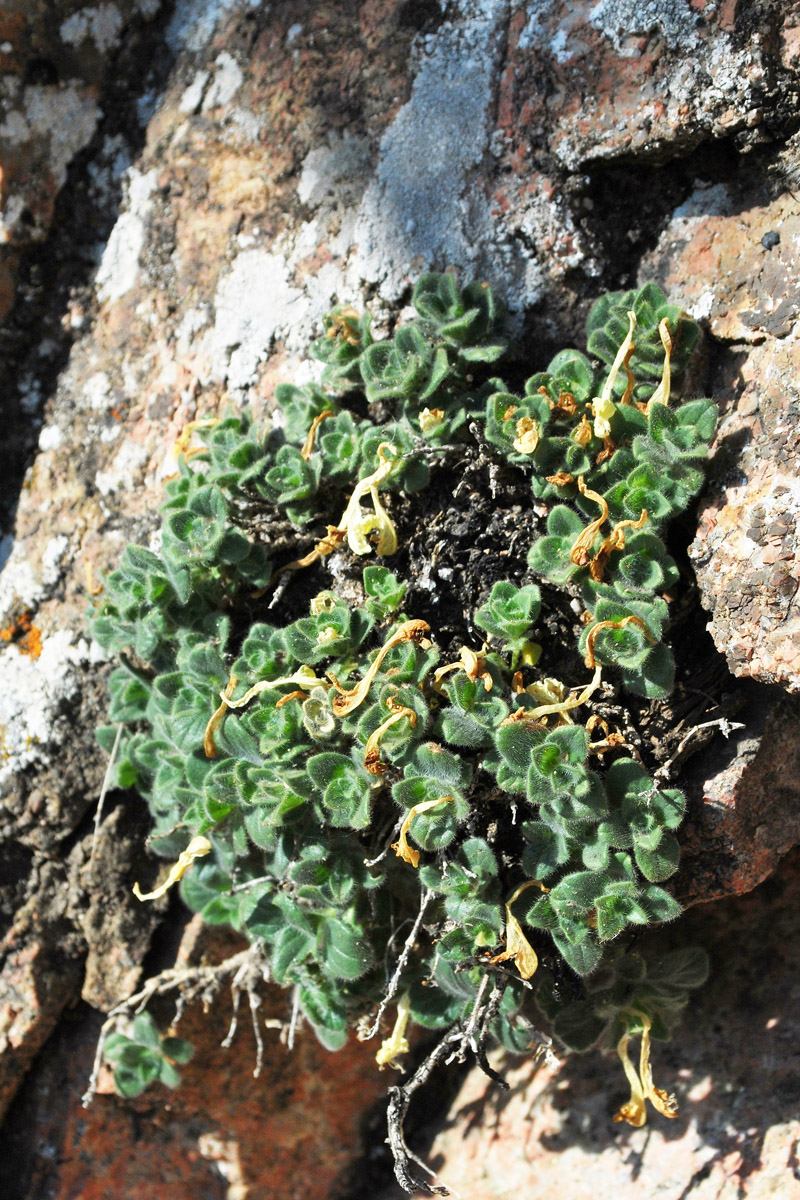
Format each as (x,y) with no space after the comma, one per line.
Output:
(34,691)
(227,80)
(192,97)
(67,116)
(20,586)
(255,302)
(97,391)
(52,558)
(620,20)
(119,265)
(125,471)
(192,24)
(331,167)
(50,438)
(420,207)
(102,25)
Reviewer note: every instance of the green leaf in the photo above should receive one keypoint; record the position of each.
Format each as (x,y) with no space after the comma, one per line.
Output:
(345,951)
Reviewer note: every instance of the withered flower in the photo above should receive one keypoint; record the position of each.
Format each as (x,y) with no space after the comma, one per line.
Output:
(401,846)
(661,394)
(197,848)
(527,438)
(581,552)
(372,754)
(396,1043)
(517,945)
(349,699)
(642,1087)
(603,406)
(308,444)
(614,541)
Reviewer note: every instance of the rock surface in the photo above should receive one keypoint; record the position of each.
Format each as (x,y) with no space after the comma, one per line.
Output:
(223,1134)
(732,1065)
(297,155)
(55,56)
(730,255)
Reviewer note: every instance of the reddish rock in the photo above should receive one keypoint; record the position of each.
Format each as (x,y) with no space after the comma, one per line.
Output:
(292,1132)
(744,807)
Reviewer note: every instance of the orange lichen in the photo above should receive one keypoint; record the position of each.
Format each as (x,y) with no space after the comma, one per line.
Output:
(24,635)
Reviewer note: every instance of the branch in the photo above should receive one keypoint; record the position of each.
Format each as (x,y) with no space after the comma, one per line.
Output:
(399,1100)
(394,982)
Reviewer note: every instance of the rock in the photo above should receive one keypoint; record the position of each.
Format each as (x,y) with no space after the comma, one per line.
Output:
(224,1134)
(718,257)
(54,59)
(731,1065)
(744,809)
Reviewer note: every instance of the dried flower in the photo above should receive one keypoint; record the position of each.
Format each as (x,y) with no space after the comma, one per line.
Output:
(603,406)
(614,541)
(642,1087)
(401,846)
(308,444)
(358,523)
(197,848)
(372,754)
(527,438)
(517,945)
(581,552)
(661,394)
(349,699)
(471,663)
(396,1043)
(431,419)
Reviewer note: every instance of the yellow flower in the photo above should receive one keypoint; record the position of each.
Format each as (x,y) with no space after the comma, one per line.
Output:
(396,1043)
(358,523)
(634,1112)
(431,419)
(603,407)
(527,438)
(197,848)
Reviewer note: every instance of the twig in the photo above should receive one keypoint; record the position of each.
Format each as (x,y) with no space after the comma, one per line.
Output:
(103,791)
(248,883)
(725,727)
(373,862)
(489,1014)
(400,966)
(467,1038)
(295,1018)
(399,1100)
(255,1004)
